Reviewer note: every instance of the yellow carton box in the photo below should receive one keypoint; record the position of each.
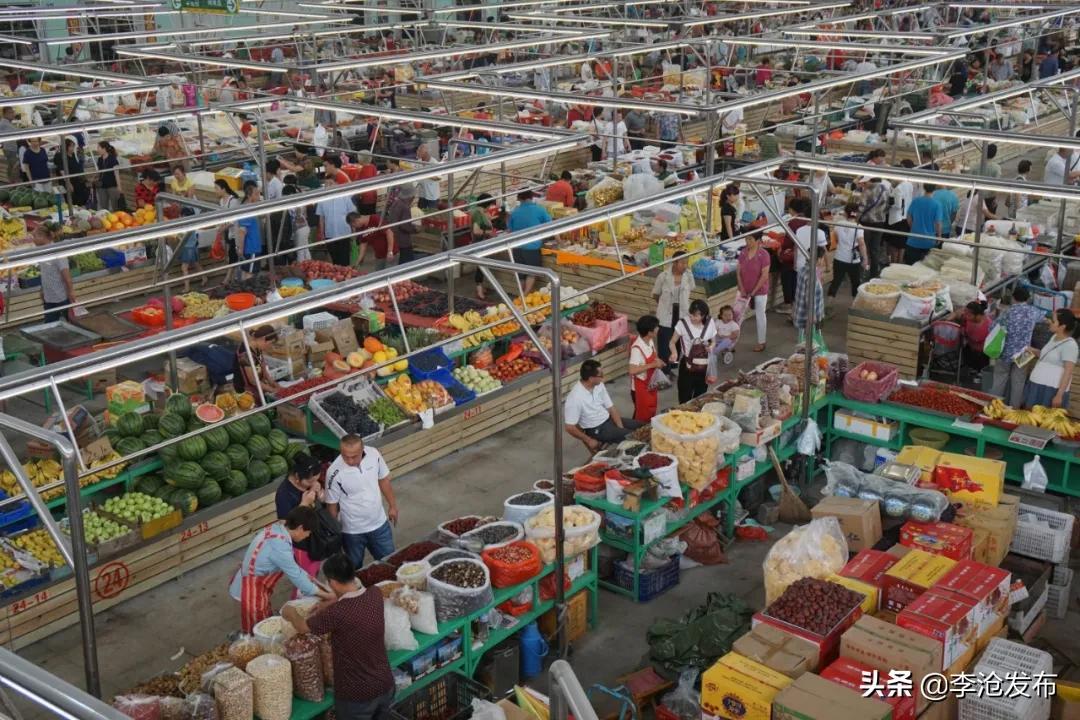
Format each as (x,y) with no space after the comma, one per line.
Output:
(988,474)
(737,688)
(915,573)
(926,459)
(868,591)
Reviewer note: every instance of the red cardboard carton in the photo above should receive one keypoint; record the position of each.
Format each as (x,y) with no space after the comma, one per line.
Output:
(938,538)
(869,566)
(984,586)
(854,674)
(828,646)
(945,617)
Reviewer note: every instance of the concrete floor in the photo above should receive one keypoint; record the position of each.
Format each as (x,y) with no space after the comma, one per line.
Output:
(159,630)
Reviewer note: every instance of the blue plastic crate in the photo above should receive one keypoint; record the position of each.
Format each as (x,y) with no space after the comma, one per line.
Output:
(112,258)
(651,583)
(460,393)
(16,517)
(438,358)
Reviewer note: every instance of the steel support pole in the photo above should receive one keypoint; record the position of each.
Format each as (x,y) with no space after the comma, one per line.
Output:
(977,200)
(1074,109)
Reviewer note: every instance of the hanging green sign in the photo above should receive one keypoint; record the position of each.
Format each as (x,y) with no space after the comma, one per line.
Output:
(218,7)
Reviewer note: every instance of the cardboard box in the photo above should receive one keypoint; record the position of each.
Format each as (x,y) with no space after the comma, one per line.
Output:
(1066,700)
(860,520)
(1034,574)
(938,538)
(101,381)
(981,480)
(124,397)
(984,586)
(827,645)
(292,419)
(812,697)
(289,345)
(317,351)
(778,650)
(737,688)
(192,378)
(924,458)
(998,630)
(885,646)
(770,431)
(871,594)
(947,618)
(849,422)
(998,523)
(911,576)
(854,675)
(869,566)
(341,334)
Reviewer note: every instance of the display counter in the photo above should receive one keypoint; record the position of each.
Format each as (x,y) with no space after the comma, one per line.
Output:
(879,338)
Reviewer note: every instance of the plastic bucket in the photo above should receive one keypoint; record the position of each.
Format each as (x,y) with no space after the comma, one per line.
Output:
(929,438)
(240,301)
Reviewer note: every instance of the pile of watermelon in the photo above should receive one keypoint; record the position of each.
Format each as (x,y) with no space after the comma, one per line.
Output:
(225,460)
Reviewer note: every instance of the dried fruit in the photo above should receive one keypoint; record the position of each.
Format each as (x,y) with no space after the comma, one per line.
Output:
(460,573)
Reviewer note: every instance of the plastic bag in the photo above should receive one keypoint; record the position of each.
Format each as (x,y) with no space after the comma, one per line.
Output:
(484,710)
(696,449)
(425,620)
(414,574)
(877,298)
(897,499)
(684,701)
(746,409)
(326,657)
(581,529)
(512,564)
(406,598)
(243,650)
(702,541)
(514,511)
(809,439)
(200,706)
(453,601)
(913,307)
(1035,476)
(206,682)
(491,535)
(817,549)
(658,380)
(172,708)
(139,707)
(397,629)
(273,687)
(667,476)
(235,695)
(303,653)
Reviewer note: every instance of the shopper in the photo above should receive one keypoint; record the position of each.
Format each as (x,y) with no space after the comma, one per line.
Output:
(226,234)
(274,184)
(1052,375)
(35,164)
(482,229)
(11,147)
(588,413)
(244,372)
(334,228)
(367,200)
(693,340)
(73,173)
(874,215)
(993,167)
(526,215)
(180,184)
(57,290)
(728,330)
(616,142)
(753,283)
(635,128)
(924,218)
(370,233)
(973,213)
(899,227)
(975,325)
(269,556)
(562,190)
(1018,201)
(1019,322)
(249,232)
(147,190)
(669,129)
(301,488)
(1061,168)
(851,257)
(299,219)
(363,682)
(189,253)
(644,361)
(671,290)
(823,186)
(950,206)
(427,190)
(357,483)
(332,172)
(729,210)
(801,225)
(399,218)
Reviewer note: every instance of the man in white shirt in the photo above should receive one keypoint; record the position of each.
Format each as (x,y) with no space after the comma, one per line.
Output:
(589,414)
(356,484)
(427,191)
(616,141)
(730,121)
(274,183)
(332,225)
(1061,168)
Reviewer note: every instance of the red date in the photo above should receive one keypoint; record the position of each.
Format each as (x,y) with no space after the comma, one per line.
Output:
(936,400)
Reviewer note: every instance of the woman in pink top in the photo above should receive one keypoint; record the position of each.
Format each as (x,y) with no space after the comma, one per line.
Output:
(976,326)
(753,278)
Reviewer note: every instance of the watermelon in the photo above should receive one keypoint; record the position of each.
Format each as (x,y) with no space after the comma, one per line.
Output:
(148,484)
(291,451)
(130,424)
(171,425)
(216,438)
(258,474)
(113,434)
(239,431)
(185,501)
(151,438)
(216,464)
(260,424)
(194,423)
(150,421)
(235,484)
(192,448)
(279,441)
(185,474)
(238,457)
(164,492)
(178,403)
(279,466)
(4,195)
(209,413)
(259,447)
(129,446)
(168,454)
(209,493)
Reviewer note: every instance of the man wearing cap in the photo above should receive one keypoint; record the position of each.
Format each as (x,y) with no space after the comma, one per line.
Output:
(399,218)
(244,375)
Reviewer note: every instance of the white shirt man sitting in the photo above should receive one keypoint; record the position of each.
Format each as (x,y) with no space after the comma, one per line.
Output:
(589,414)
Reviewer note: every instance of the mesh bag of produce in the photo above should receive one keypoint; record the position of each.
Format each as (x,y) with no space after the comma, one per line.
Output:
(414,574)
(235,695)
(460,587)
(139,707)
(817,549)
(272,682)
(519,508)
(692,437)
(877,298)
(243,650)
(326,655)
(512,564)
(303,652)
(200,706)
(581,528)
(491,535)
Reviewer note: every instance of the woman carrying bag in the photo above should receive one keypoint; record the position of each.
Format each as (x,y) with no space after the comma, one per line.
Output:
(694,334)
(1049,382)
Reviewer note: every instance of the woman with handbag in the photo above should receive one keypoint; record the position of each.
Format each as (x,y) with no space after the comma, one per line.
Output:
(646,369)
(301,488)
(1051,378)
(694,336)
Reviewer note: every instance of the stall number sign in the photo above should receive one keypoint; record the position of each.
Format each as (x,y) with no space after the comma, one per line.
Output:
(220,7)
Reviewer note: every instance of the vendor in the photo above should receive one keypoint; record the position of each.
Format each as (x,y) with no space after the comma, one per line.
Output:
(72,170)
(249,232)
(482,229)
(57,290)
(588,413)
(268,557)
(170,146)
(562,190)
(1050,379)
(664,174)
(357,483)
(301,488)
(399,216)
(975,325)
(180,184)
(244,374)
(644,361)
(108,165)
(527,215)
(729,221)
(35,164)
(148,188)
(370,233)
(363,682)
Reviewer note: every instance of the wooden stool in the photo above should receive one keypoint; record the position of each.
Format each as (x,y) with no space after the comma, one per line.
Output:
(644,686)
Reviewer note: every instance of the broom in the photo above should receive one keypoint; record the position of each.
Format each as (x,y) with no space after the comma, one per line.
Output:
(792,509)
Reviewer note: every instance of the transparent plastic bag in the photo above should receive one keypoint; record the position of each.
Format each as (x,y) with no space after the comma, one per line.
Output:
(913,307)
(406,598)
(519,513)
(397,630)
(272,683)
(139,707)
(747,408)
(684,701)
(243,650)
(694,439)
(491,535)
(667,476)
(424,620)
(877,298)
(896,499)
(809,439)
(172,708)
(235,694)
(326,655)
(302,652)
(200,706)
(484,710)
(414,574)
(658,381)
(453,601)
(1035,476)
(730,435)
(581,529)
(817,549)
(206,682)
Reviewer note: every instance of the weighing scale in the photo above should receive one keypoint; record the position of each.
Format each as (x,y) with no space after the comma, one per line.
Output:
(1031,437)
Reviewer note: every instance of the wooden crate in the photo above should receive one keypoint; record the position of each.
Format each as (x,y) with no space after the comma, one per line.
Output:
(872,337)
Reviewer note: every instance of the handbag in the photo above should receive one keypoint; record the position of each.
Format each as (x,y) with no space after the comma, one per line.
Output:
(995,342)
(697,359)
(325,539)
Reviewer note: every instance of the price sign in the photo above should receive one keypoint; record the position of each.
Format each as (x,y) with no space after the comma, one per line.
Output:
(472,412)
(21,606)
(111,580)
(194,531)
(214,7)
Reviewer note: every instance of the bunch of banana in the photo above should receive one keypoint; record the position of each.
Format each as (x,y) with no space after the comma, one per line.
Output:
(468,321)
(996,410)
(1021,417)
(12,230)
(1056,420)
(107,473)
